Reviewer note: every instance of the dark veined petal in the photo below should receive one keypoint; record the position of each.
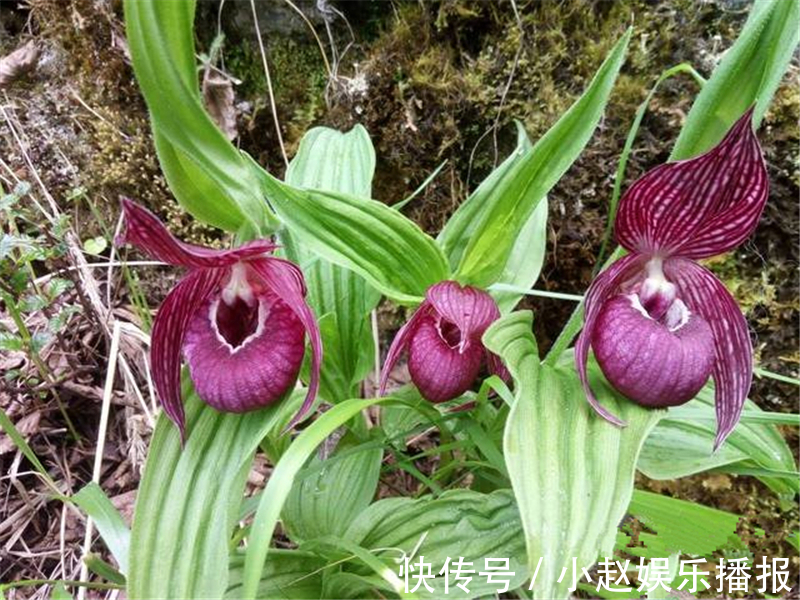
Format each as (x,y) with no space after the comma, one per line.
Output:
(699,207)
(145,231)
(400,343)
(285,280)
(496,366)
(470,309)
(605,285)
(169,331)
(440,371)
(733,368)
(255,372)
(652,362)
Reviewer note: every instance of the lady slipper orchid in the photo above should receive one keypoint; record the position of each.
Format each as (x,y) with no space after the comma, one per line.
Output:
(239,316)
(443,339)
(659,323)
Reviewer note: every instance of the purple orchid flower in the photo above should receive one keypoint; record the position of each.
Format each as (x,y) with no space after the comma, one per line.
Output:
(239,316)
(443,339)
(659,323)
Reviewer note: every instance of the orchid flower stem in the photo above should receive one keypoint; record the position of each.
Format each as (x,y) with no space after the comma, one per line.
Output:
(626,152)
(776,376)
(503,287)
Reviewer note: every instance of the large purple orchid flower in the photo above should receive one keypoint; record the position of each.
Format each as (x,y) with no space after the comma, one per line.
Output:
(239,316)
(443,339)
(659,323)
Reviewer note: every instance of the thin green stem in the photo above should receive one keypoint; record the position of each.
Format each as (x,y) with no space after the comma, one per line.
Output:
(776,376)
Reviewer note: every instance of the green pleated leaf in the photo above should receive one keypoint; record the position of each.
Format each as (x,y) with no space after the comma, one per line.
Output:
(457,523)
(749,72)
(287,575)
(331,160)
(280,484)
(328,495)
(115,533)
(336,162)
(189,499)
(572,472)
(207,174)
(481,235)
(680,446)
(679,526)
(385,248)
(526,257)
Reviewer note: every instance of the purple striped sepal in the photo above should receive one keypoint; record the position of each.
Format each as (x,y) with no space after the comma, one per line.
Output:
(238,316)
(659,323)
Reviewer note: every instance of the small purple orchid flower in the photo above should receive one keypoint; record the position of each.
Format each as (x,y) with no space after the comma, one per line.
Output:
(443,339)
(239,316)
(659,323)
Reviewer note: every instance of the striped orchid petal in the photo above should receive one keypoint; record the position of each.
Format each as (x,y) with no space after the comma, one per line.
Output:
(699,207)
(626,271)
(733,368)
(169,332)
(468,308)
(443,339)
(239,317)
(400,343)
(285,280)
(145,231)
(240,364)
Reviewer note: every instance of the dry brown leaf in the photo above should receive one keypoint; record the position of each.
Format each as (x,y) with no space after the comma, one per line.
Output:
(218,97)
(717,482)
(20,61)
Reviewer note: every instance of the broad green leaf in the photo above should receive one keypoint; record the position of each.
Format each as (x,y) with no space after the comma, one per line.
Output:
(749,72)
(508,199)
(336,162)
(571,471)
(330,494)
(207,174)
(458,523)
(464,224)
(339,551)
(331,160)
(680,446)
(680,526)
(189,499)
(385,248)
(115,533)
(280,484)
(525,260)
(287,574)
